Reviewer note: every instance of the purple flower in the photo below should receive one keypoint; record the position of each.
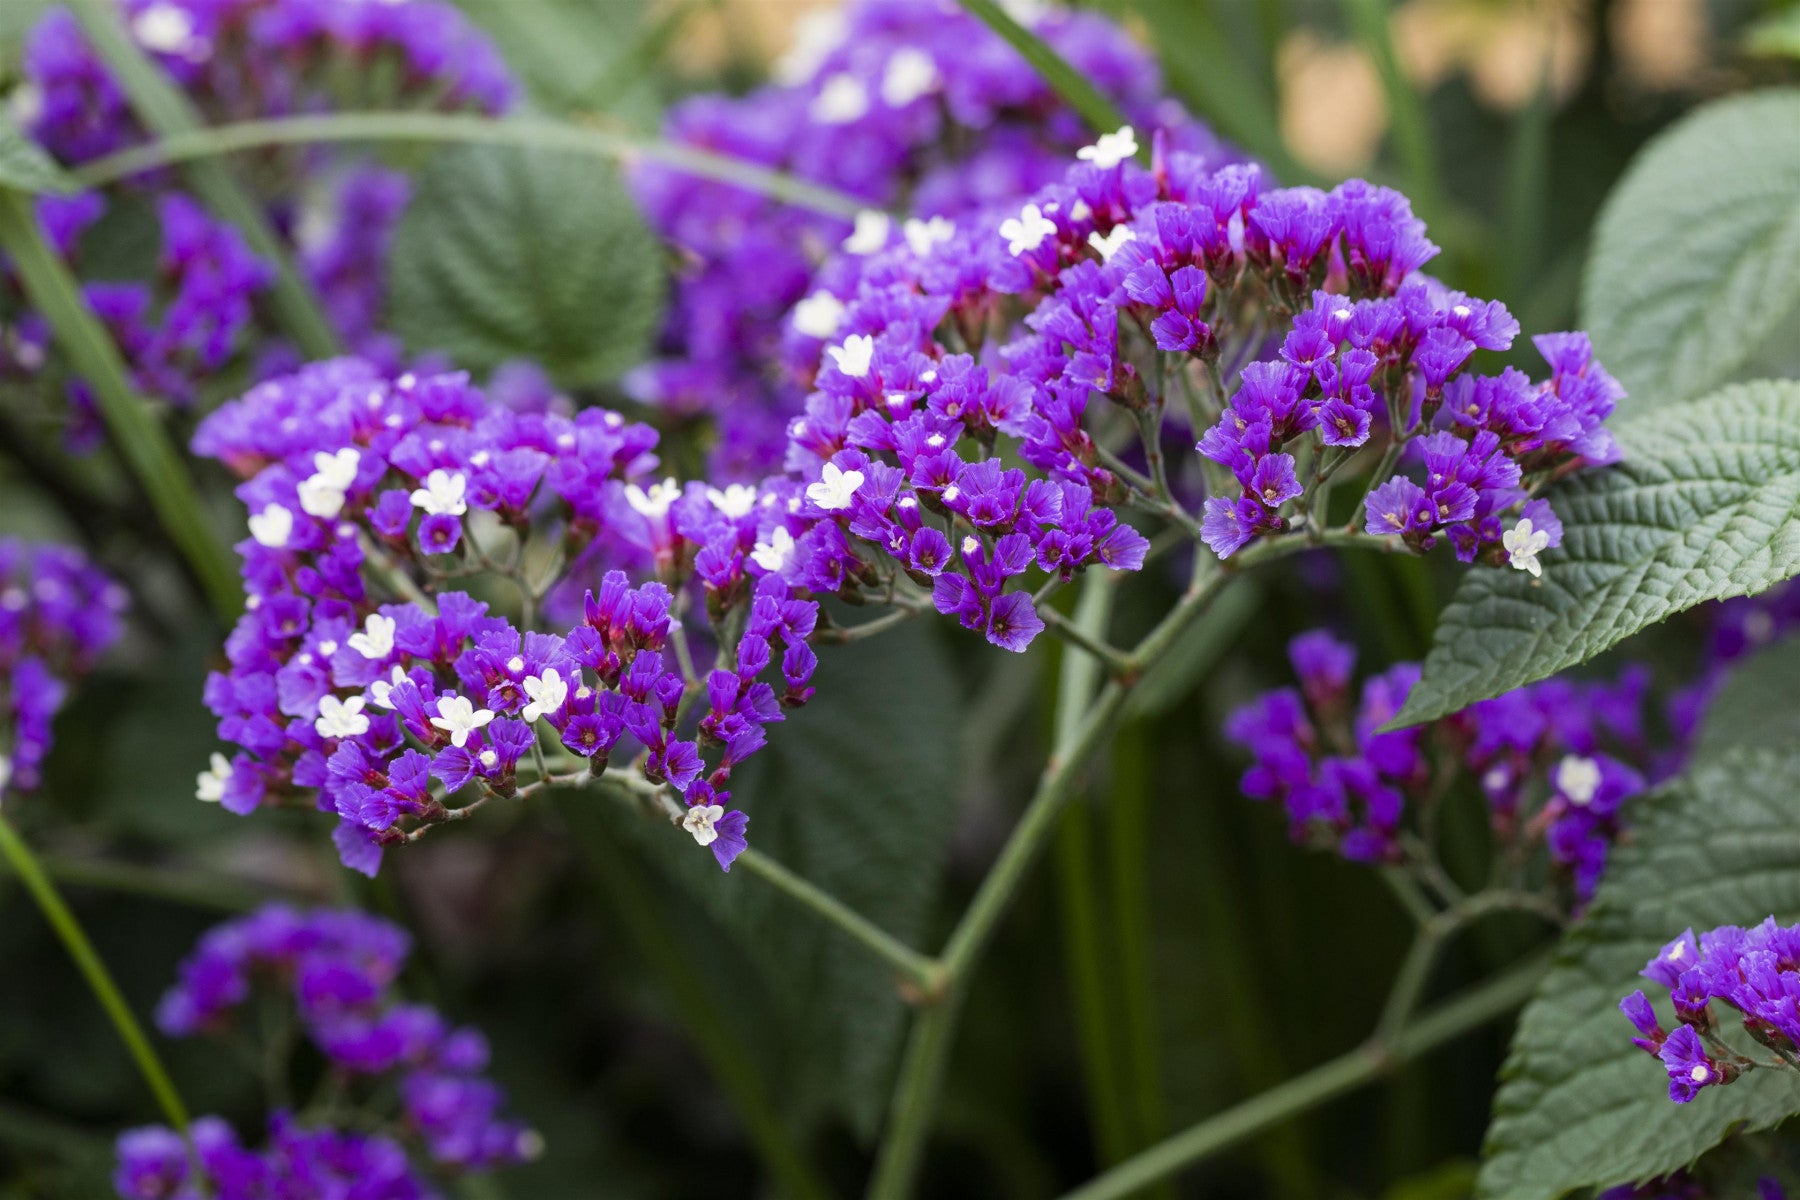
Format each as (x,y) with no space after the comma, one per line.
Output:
(1689,1066)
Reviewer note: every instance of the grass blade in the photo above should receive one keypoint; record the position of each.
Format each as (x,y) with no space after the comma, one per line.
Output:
(139,438)
(1082,96)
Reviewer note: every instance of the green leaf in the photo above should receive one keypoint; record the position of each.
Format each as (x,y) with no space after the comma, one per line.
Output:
(1702,508)
(855,793)
(25,167)
(1076,90)
(514,253)
(1696,259)
(1579,1105)
(1755,706)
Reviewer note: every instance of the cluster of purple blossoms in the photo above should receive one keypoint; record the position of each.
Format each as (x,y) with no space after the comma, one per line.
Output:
(1539,755)
(248,59)
(244,59)
(58,614)
(1755,971)
(337,967)
(1377,353)
(174,330)
(906,104)
(359,678)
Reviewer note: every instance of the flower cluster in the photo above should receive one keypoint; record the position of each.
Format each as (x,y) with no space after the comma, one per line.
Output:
(899,103)
(175,329)
(1379,353)
(242,59)
(247,59)
(337,967)
(58,614)
(1755,971)
(359,677)
(1539,755)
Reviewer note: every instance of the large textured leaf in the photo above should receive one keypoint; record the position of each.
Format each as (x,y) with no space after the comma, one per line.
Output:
(855,792)
(1579,1106)
(513,253)
(1696,258)
(1703,507)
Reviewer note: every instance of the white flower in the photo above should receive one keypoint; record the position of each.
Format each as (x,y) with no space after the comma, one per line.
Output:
(816,35)
(442,493)
(819,315)
(271,526)
(321,500)
(458,718)
(1026,231)
(337,470)
(547,692)
(774,554)
(1112,148)
(702,821)
(1578,779)
(5,772)
(322,493)
(341,718)
(910,74)
(377,638)
(921,236)
(164,28)
(1108,244)
(835,487)
(1523,544)
(209,785)
(842,100)
(380,690)
(653,504)
(854,356)
(870,234)
(735,501)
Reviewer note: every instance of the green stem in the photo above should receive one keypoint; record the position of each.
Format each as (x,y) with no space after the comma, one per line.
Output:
(138,436)
(1128,837)
(68,930)
(166,111)
(207,143)
(1090,972)
(1099,112)
(920,971)
(1412,129)
(1364,1065)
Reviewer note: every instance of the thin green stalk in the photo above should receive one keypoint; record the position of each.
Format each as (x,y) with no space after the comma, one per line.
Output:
(138,436)
(730,1064)
(1412,129)
(1128,839)
(1098,1031)
(921,972)
(914,1105)
(1097,1021)
(1525,195)
(165,111)
(184,886)
(216,140)
(1101,114)
(100,981)
(1364,1065)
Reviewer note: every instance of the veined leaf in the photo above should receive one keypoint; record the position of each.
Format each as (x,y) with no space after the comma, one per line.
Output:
(1705,506)
(513,253)
(1579,1106)
(1696,259)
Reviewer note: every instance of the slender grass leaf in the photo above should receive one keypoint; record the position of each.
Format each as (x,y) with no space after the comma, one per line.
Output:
(1705,506)
(1579,1106)
(511,253)
(1696,258)
(1101,114)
